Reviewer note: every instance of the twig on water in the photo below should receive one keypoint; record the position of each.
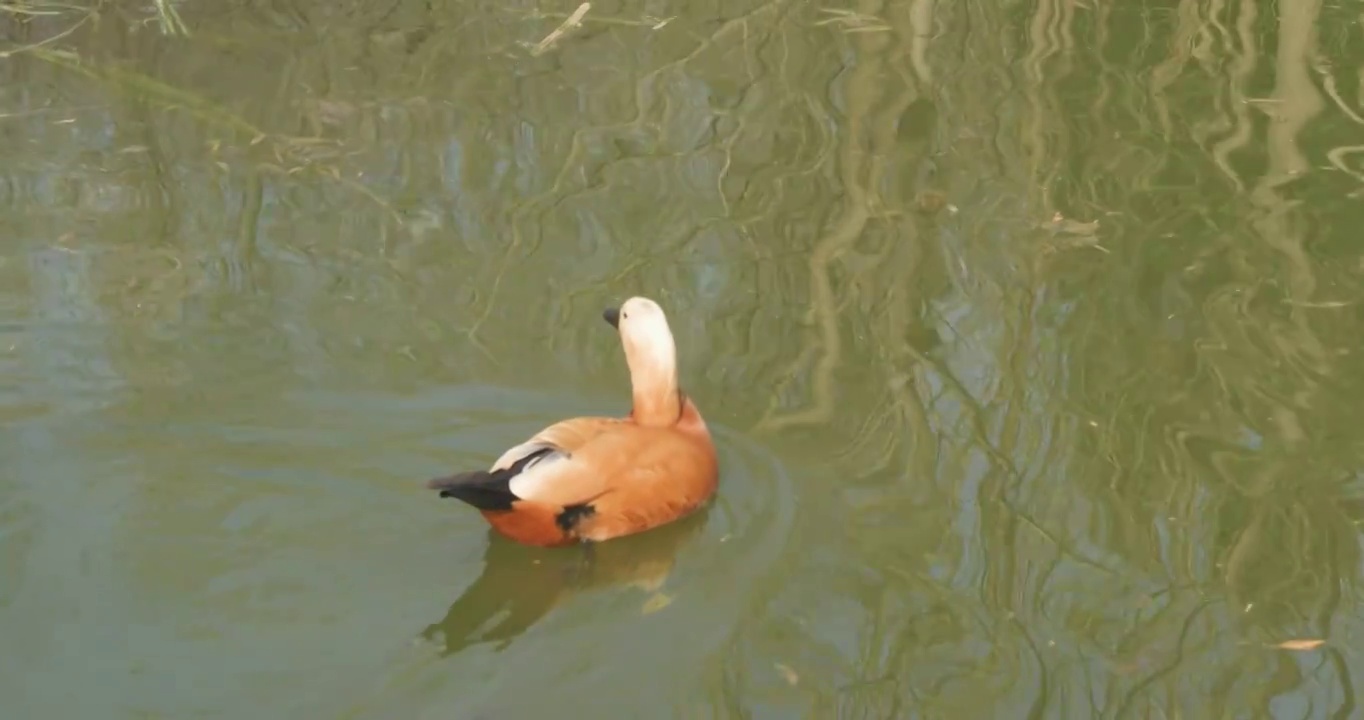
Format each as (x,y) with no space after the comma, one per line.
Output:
(573,21)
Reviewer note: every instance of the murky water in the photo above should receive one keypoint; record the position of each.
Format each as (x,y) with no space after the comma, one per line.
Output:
(1029,333)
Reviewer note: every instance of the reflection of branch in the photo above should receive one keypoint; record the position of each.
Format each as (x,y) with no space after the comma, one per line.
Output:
(823,303)
(1293,88)
(864,89)
(1328,83)
(577,147)
(1336,156)
(852,21)
(54,38)
(171,24)
(1300,103)
(1239,73)
(1175,660)
(299,153)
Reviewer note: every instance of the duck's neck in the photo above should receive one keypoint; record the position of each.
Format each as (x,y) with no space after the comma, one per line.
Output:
(656,400)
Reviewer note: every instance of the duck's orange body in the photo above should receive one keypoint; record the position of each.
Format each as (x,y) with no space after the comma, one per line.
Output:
(595,478)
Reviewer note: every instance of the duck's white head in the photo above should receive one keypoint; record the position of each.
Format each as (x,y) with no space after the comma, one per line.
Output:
(652,357)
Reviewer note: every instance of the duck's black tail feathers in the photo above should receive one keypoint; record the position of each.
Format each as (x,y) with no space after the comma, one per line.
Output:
(485,490)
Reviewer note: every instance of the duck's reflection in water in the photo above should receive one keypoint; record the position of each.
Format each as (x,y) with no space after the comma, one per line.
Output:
(519,584)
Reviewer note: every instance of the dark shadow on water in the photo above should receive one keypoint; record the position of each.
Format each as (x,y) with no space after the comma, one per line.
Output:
(519,585)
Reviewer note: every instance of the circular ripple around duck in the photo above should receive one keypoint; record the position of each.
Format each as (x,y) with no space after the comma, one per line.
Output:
(624,644)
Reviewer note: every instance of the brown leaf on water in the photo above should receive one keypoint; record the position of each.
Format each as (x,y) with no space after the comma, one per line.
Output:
(655,603)
(1300,644)
(791,677)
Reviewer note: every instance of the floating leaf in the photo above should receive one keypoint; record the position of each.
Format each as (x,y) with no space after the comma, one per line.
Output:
(656,603)
(1300,644)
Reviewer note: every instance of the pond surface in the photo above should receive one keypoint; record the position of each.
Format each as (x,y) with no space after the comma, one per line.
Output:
(1029,333)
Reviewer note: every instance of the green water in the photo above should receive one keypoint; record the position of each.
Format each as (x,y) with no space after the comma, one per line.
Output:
(1029,333)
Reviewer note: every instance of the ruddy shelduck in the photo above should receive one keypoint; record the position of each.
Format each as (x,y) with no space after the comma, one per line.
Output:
(590,479)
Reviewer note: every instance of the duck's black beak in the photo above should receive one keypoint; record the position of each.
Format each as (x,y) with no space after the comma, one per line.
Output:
(612,315)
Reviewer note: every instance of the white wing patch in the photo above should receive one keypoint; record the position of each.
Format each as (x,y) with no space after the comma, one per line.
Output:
(537,475)
(517,452)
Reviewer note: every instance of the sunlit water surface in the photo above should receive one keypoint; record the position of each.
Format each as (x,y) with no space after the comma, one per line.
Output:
(1028,332)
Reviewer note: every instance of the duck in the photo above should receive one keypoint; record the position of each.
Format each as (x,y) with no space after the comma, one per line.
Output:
(586,480)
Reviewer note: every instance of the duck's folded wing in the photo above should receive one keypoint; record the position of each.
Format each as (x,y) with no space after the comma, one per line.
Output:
(562,439)
(525,470)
